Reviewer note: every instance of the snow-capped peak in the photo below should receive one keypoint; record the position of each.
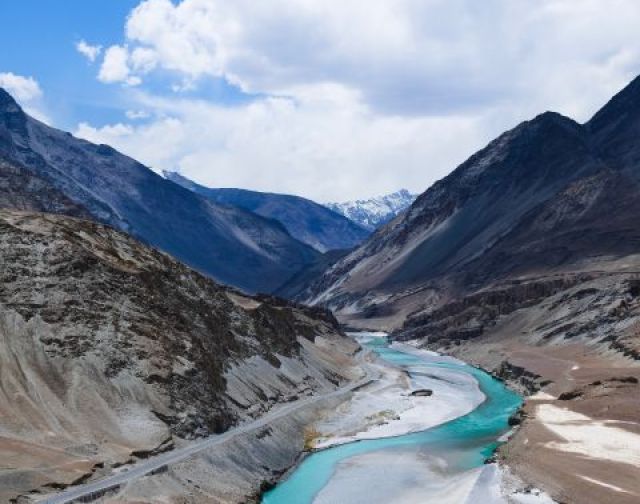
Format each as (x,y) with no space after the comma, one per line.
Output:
(374,212)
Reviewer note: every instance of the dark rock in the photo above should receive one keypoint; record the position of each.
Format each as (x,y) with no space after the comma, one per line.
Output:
(516,418)
(568,396)
(626,379)
(421,393)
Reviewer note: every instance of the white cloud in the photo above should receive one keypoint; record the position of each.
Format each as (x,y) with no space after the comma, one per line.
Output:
(405,57)
(324,144)
(137,114)
(27,93)
(115,67)
(358,97)
(91,52)
(143,60)
(23,89)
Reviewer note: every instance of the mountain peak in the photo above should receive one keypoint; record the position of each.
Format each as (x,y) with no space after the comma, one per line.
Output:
(615,126)
(374,212)
(625,102)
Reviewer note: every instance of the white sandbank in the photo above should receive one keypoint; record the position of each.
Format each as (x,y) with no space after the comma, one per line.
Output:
(385,408)
(414,477)
(589,437)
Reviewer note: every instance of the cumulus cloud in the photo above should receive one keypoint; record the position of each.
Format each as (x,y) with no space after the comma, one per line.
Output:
(323,144)
(91,52)
(406,57)
(27,92)
(360,97)
(116,67)
(23,89)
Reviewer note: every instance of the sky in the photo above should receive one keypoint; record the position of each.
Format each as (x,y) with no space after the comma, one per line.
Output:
(332,99)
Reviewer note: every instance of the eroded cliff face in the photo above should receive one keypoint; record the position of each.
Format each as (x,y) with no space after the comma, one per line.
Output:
(111,350)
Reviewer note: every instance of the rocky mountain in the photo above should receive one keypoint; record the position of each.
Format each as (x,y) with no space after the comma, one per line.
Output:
(230,244)
(305,220)
(111,351)
(374,212)
(550,194)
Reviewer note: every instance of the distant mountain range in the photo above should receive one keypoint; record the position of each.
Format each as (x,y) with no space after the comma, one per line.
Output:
(44,169)
(307,221)
(374,212)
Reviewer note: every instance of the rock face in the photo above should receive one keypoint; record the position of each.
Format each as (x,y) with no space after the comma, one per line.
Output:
(110,349)
(374,212)
(229,244)
(551,195)
(307,221)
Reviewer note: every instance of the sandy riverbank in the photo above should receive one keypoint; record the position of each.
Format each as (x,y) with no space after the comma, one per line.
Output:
(580,438)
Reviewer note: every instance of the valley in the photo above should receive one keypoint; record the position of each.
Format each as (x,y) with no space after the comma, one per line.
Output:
(164,341)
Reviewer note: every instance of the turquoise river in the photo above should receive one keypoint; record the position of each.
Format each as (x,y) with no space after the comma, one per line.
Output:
(465,442)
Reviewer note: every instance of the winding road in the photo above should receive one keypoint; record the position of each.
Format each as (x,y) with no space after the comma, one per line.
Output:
(159,461)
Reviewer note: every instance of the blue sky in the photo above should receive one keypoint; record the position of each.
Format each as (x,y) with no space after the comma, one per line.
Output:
(332,100)
(40,38)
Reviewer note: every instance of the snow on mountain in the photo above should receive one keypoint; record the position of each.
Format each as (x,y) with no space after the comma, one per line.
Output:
(374,212)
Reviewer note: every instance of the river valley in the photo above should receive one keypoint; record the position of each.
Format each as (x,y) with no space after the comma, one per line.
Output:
(443,463)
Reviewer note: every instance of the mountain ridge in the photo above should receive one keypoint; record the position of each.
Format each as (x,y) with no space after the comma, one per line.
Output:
(232,245)
(306,220)
(458,230)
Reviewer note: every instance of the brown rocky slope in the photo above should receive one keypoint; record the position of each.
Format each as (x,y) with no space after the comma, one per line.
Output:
(111,350)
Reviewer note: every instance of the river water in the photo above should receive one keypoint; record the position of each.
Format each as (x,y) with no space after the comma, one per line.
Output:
(427,466)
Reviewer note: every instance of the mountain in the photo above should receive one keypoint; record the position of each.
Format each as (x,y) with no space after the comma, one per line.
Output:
(305,220)
(112,351)
(373,213)
(293,287)
(548,194)
(525,261)
(229,244)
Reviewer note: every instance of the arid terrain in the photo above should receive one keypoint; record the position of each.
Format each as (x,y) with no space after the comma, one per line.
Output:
(113,351)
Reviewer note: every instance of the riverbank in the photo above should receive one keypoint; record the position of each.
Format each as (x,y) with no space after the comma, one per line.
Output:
(580,435)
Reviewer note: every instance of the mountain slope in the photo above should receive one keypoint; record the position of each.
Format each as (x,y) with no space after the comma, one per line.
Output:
(111,350)
(548,194)
(307,221)
(229,244)
(297,284)
(374,212)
